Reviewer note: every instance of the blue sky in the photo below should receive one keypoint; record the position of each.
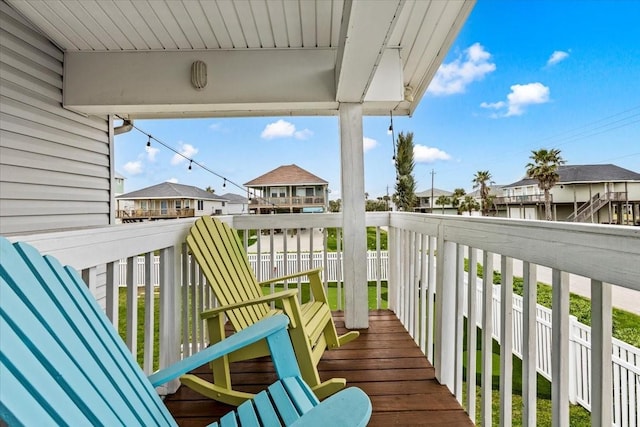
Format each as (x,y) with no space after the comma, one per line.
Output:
(522,75)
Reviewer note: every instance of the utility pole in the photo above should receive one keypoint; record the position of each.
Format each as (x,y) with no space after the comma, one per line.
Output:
(432,175)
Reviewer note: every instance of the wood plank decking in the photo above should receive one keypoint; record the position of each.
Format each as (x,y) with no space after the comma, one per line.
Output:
(384,361)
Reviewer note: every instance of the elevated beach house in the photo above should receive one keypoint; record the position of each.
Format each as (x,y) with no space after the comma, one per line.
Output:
(75,73)
(584,193)
(168,200)
(288,189)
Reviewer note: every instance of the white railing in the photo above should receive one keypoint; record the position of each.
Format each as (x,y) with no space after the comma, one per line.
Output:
(606,254)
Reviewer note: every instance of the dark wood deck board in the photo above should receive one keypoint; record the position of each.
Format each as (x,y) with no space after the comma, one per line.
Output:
(384,361)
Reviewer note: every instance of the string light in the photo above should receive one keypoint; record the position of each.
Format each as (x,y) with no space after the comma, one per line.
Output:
(251,195)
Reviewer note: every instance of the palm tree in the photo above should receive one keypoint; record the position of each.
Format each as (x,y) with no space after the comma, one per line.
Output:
(405,196)
(468,204)
(482,179)
(442,200)
(544,169)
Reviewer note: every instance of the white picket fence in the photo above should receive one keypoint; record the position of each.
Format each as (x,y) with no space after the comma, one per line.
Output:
(625,358)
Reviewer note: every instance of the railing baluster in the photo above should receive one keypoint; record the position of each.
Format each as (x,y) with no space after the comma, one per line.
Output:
(459,336)
(445,312)
(506,339)
(529,384)
(132,304)
(193,309)
(424,265)
(186,279)
(411,284)
(601,325)
(487,340)
(472,332)
(149,329)
(112,292)
(431,289)
(170,283)
(379,271)
(560,348)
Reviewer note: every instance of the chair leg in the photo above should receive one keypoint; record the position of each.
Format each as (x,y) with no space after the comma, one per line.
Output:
(327,388)
(348,337)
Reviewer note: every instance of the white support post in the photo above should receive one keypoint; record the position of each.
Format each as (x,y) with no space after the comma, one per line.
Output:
(529,351)
(472,333)
(424,264)
(601,384)
(487,339)
(353,217)
(560,349)
(445,312)
(170,284)
(506,339)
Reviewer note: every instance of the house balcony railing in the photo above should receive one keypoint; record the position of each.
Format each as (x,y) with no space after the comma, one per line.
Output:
(127,215)
(425,291)
(296,201)
(511,200)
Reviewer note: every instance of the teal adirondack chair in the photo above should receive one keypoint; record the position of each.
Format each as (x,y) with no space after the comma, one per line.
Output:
(62,362)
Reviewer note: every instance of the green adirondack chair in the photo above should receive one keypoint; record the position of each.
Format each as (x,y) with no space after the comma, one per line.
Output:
(63,363)
(218,251)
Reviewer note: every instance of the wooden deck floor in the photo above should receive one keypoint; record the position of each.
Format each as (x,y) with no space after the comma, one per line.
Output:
(384,361)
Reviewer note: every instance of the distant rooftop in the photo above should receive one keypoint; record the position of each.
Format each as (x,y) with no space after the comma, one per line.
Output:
(436,193)
(170,190)
(234,198)
(573,174)
(286,175)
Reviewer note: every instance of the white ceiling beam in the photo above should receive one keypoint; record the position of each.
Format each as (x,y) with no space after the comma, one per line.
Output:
(366,27)
(146,82)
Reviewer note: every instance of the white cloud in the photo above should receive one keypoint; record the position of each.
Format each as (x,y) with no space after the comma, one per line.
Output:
(173,180)
(520,97)
(557,56)
(279,129)
(187,151)
(368,143)
(133,168)
(151,153)
(472,65)
(215,126)
(303,134)
(284,129)
(424,154)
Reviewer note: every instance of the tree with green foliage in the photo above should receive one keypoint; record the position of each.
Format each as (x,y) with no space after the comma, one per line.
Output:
(468,204)
(544,169)
(375,205)
(443,200)
(458,194)
(482,179)
(405,196)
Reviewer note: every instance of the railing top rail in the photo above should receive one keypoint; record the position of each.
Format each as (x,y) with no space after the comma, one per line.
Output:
(608,253)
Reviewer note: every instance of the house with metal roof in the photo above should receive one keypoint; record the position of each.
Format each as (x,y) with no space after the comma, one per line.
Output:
(168,200)
(426,201)
(288,189)
(584,193)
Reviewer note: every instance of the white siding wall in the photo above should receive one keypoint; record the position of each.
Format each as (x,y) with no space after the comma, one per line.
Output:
(55,170)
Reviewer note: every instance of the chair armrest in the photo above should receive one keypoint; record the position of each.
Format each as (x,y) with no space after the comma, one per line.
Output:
(261,300)
(349,407)
(253,333)
(292,276)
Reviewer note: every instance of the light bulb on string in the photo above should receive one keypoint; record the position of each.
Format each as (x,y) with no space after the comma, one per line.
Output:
(148,144)
(190,162)
(224,183)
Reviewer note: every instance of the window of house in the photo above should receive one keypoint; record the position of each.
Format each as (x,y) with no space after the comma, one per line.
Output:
(178,204)
(187,205)
(278,192)
(143,205)
(200,205)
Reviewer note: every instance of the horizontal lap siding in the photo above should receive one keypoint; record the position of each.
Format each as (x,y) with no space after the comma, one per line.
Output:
(54,163)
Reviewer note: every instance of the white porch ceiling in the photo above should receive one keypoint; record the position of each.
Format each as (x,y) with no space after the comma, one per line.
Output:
(382,53)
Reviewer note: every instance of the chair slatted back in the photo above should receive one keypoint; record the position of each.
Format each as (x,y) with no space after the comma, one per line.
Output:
(223,261)
(61,361)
